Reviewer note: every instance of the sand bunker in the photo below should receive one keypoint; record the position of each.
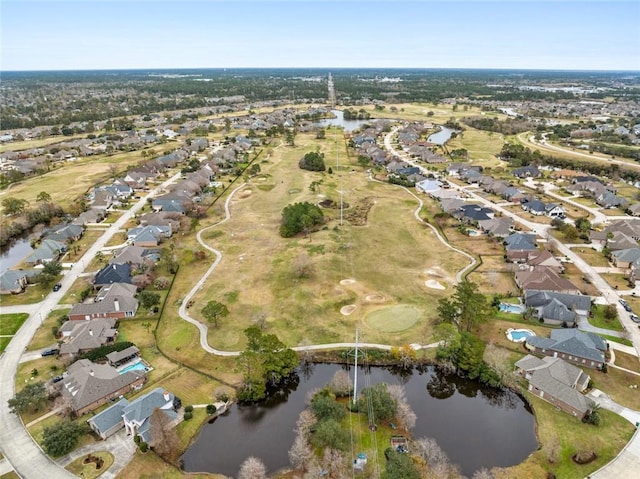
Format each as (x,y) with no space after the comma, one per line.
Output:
(434,272)
(348,309)
(245,193)
(375,298)
(433,284)
(347,281)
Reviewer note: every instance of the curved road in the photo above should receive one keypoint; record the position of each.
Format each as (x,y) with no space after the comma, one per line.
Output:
(26,457)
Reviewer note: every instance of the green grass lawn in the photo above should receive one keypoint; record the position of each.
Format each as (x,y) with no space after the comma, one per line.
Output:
(598,320)
(616,339)
(10,323)
(393,318)
(89,470)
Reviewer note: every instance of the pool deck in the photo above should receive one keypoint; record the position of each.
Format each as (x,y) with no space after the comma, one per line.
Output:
(519,340)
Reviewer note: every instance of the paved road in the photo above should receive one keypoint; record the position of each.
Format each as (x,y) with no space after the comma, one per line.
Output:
(16,444)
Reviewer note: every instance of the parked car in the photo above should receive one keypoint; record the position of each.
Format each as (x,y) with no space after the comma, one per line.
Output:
(634,317)
(50,352)
(57,287)
(57,379)
(626,306)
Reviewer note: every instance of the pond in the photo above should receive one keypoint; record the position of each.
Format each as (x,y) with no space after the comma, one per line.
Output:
(441,137)
(476,426)
(348,125)
(11,256)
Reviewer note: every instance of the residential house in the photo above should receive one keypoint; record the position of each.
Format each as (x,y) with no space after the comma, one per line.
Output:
(607,199)
(115,300)
(553,210)
(542,258)
(513,194)
(65,233)
(428,185)
(634,209)
(135,256)
(49,250)
(626,258)
(137,415)
(527,172)
(498,227)
(88,385)
(103,199)
(558,308)
(535,207)
(83,336)
(557,382)
(113,273)
(572,345)
(15,281)
(619,240)
(148,236)
(473,213)
(92,215)
(544,279)
(518,246)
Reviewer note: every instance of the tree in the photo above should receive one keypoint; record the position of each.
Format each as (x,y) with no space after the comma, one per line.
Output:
(583,224)
(32,397)
(329,433)
(61,438)
(400,466)
(300,452)
(299,217)
(363,161)
(265,361)
(213,311)
(341,384)
(326,408)
(378,403)
(290,137)
(164,438)
(467,308)
(14,206)
(302,266)
(148,299)
(312,161)
(404,413)
(320,134)
(610,313)
(252,468)
(43,197)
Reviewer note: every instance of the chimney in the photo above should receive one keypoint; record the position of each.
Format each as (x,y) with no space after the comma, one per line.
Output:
(90,372)
(166,396)
(91,332)
(116,304)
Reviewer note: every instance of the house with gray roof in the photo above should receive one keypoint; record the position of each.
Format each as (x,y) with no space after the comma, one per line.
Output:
(15,281)
(607,199)
(88,385)
(48,251)
(472,213)
(135,255)
(558,308)
(634,209)
(118,358)
(577,347)
(113,273)
(527,172)
(65,233)
(149,235)
(499,227)
(106,423)
(137,415)
(115,301)
(520,242)
(625,258)
(82,336)
(557,382)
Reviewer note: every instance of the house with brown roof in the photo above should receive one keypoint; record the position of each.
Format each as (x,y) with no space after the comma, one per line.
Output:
(88,385)
(115,301)
(543,278)
(557,382)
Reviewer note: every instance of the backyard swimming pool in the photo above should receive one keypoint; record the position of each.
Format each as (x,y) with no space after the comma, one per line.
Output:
(519,335)
(139,366)
(511,308)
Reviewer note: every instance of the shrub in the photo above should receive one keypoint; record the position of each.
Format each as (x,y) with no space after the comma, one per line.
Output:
(211,409)
(312,161)
(188,415)
(100,354)
(188,408)
(144,447)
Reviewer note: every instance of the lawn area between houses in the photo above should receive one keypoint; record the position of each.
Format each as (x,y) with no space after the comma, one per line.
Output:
(149,465)
(44,334)
(89,470)
(34,293)
(591,256)
(616,281)
(598,320)
(627,361)
(616,339)
(616,384)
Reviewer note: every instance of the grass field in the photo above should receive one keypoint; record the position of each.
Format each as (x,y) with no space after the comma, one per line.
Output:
(591,256)
(89,470)
(10,323)
(600,321)
(393,319)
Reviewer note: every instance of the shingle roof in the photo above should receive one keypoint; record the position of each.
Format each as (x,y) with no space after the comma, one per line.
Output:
(141,409)
(110,417)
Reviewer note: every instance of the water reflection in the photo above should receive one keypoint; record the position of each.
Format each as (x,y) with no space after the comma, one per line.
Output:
(476,426)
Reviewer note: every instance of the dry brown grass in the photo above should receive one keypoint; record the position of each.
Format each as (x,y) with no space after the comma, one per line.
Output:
(591,256)
(627,361)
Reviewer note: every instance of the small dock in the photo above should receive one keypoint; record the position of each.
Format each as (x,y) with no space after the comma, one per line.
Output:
(400,444)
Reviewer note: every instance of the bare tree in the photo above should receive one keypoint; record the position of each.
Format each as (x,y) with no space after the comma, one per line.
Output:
(305,422)
(302,267)
(300,452)
(252,468)
(551,449)
(341,383)
(498,359)
(164,439)
(404,412)
(439,465)
(483,473)
(335,462)
(259,318)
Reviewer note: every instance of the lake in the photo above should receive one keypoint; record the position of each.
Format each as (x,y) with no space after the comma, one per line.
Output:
(15,253)
(441,137)
(476,426)
(339,121)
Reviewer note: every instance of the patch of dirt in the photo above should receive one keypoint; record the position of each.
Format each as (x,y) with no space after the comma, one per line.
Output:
(433,284)
(348,309)
(245,194)
(347,281)
(328,203)
(584,457)
(375,298)
(357,215)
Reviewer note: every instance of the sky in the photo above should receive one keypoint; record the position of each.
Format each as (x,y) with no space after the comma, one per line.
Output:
(129,34)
